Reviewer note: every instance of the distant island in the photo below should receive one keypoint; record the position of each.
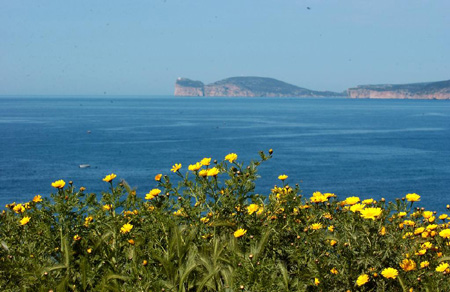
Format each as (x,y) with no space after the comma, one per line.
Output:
(428,90)
(269,87)
(247,86)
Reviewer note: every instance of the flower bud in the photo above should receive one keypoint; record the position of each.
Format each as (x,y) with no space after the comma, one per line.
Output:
(270,151)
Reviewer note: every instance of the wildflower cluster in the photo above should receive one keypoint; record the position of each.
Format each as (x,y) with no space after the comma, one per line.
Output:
(207,230)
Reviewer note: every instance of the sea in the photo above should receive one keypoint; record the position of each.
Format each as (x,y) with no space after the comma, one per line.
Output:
(350,147)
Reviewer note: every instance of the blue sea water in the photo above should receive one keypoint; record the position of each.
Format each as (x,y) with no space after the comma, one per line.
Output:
(369,148)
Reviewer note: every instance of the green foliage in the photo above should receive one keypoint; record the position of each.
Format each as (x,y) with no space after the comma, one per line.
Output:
(203,231)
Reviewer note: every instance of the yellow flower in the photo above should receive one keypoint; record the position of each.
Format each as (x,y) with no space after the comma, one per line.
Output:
(152,194)
(203,172)
(357,208)
(24,220)
(362,279)
(37,199)
(178,212)
(427,214)
(331,228)
(252,208)
(88,220)
(109,177)
(240,232)
(334,271)
(421,252)
(107,207)
(443,216)
(204,219)
(144,262)
(401,214)
(19,208)
(158,177)
(445,233)
(318,198)
(409,223)
(329,195)
(412,197)
(327,216)
(432,227)
(351,200)
(367,202)
(389,273)
(260,210)
(442,267)
(316,281)
(371,213)
(333,242)
(408,265)
(231,157)
(89,250)
(76,237)
(126,228)
(195,167)
(131,241)
(212,172)
(205,161)
(383,231)
(282,177)
(176,167)
(424,264)
(316,226)
(10,205)
(426,245)
(407,235)
(59,184)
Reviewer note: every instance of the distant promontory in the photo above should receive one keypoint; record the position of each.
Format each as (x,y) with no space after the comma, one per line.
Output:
(262,86)
(428,90)
(247,86)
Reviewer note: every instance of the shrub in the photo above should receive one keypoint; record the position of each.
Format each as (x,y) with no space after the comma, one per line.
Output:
(207,230)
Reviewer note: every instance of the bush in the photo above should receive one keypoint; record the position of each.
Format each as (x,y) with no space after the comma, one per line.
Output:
(207,230)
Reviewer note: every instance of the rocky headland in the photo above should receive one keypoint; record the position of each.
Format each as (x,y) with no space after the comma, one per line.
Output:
(269,87)
(428,90)
(247,86)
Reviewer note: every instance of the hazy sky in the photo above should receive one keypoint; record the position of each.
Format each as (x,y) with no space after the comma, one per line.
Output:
(141,47)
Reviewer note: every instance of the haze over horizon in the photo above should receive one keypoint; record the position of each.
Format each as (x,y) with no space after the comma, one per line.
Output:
(84,47)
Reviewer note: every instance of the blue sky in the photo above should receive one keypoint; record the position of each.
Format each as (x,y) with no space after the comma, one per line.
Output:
(141,47)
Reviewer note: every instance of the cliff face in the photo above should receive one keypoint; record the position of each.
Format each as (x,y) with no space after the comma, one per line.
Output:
(430,90)
(246,86)
(187,87)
